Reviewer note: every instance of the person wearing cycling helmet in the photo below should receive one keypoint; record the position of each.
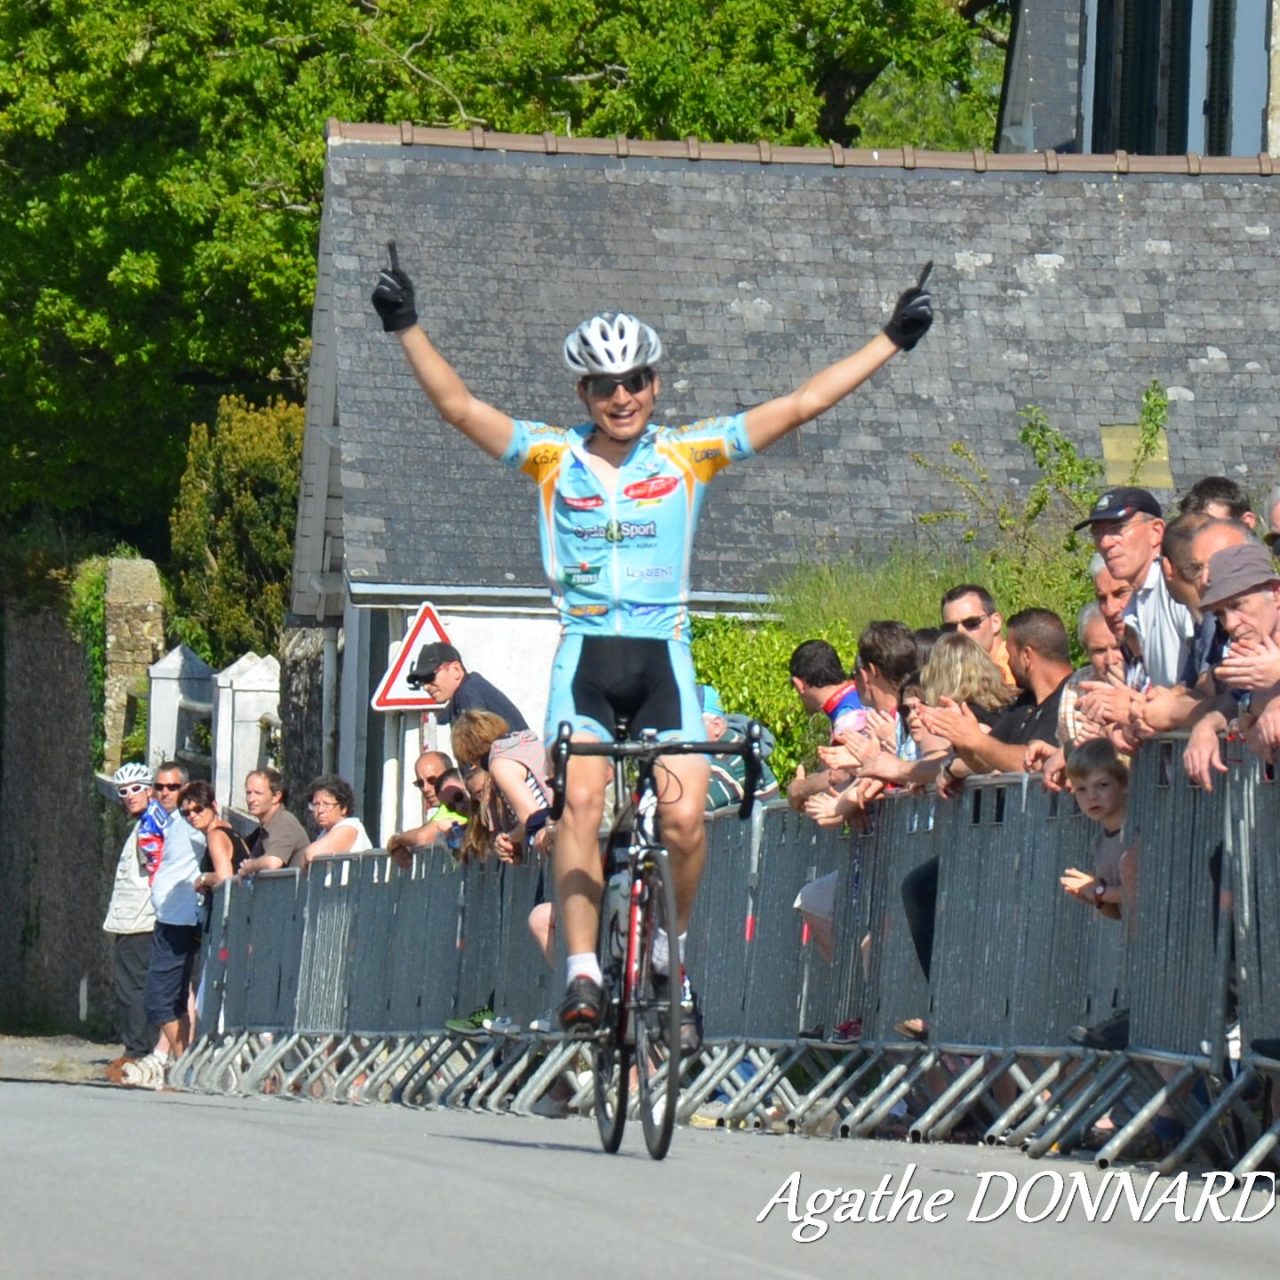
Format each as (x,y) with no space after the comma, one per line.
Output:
(618,503)
(130,916)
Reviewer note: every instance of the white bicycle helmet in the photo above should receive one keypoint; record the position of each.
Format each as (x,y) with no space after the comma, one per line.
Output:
(611,343)
(131,772)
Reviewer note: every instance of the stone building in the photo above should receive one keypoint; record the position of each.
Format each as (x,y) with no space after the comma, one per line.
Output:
(1065,281)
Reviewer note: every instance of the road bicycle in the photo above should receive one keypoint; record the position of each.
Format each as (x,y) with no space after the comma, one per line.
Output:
(640,1028)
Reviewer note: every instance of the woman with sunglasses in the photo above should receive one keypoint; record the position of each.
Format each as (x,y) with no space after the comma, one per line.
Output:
(331,799)
(618,503)
(225,849)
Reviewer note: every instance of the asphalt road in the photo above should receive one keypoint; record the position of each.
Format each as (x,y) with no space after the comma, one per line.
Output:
(103,1182)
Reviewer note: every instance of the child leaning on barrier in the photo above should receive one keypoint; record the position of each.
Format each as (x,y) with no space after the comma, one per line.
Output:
(1099,780)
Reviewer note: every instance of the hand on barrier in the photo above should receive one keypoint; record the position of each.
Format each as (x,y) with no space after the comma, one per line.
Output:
(401,851)
(1263,732)
(1203,755)
(393,295)
(825,810)
(1050,761)
(912,314)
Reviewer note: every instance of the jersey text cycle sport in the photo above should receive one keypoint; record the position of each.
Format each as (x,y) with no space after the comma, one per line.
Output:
(618,562)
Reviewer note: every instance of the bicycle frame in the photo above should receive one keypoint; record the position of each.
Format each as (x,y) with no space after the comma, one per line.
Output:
(643,1020)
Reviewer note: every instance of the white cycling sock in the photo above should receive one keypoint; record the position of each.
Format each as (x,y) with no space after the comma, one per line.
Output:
(662,950)
(585,964)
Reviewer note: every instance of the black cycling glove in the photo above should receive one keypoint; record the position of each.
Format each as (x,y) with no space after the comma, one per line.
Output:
(912,315)
(393,296)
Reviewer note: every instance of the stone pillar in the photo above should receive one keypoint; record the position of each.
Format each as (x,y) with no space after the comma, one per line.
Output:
(135,638)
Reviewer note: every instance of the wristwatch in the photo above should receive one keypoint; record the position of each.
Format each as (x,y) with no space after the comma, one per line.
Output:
(1099,888)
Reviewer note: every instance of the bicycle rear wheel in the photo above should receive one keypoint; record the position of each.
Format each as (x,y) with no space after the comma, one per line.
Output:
(656,1011)
(611,1056)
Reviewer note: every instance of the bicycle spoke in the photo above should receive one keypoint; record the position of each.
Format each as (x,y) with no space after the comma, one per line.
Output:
(656,1011)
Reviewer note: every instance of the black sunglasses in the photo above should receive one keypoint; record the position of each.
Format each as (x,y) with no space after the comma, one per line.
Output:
(422,782)
(190,809)
(419,679)
(603,386)
(971,623)
(169,786)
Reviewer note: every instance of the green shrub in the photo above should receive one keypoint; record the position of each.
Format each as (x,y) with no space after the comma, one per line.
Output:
(1019,544)
(232,530)
(86,613)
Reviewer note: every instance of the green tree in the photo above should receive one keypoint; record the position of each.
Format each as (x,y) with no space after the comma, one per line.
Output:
(232,529)
(163,165)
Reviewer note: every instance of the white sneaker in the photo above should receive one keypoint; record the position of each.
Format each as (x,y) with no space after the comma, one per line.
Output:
(146,1073)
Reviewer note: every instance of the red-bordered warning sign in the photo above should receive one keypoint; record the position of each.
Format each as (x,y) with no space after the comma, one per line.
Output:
(393,692)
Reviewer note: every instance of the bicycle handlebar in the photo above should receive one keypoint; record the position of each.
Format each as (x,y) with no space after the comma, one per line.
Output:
(648,749)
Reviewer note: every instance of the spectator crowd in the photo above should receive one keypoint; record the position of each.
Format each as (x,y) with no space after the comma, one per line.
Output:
(1182,633)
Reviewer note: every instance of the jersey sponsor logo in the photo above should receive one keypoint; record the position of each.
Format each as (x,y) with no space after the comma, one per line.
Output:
(707,455)
(651,572)
(645,610)
(588,610)
(618,530)
(654,487)
(544,456)
(583,576)
(587,503)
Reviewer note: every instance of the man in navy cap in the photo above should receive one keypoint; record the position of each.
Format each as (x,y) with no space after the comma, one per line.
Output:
(1127,526)
(438,668)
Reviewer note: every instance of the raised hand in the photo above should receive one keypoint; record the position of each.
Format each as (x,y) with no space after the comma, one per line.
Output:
(393,295)
(913,313)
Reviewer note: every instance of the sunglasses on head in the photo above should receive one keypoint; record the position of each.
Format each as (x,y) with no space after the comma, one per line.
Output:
(190,809)
(603,386)
(432,782)
(972,623)
(168,786)
(131,790)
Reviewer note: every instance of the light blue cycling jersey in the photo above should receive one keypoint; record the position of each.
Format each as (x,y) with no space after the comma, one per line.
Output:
(618,562)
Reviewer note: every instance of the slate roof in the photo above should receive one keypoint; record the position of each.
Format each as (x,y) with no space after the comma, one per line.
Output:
(1068,281)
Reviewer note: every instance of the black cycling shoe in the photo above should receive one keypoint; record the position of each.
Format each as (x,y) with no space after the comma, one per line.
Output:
(1111,1034)
(582,1009)
(690,1014)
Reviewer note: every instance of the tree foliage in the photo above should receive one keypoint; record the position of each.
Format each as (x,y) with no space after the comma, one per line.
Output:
(232,529)
(162,174)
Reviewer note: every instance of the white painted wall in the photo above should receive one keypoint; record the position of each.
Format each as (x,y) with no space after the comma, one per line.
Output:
(512,651)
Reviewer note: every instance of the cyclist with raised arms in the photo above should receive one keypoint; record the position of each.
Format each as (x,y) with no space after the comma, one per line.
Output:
(618,502)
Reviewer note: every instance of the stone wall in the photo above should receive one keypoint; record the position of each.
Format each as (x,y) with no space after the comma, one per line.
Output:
(58,838)
(301,712)
(135,639)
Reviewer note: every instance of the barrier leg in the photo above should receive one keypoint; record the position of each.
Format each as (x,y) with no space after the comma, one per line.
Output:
(1145,1114)
(1209,1120)
(1094,1099)
(872,1112)
(957,1098)
(820,1102)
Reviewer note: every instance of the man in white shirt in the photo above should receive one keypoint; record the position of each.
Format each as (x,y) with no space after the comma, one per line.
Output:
(131,919)
(176,944)
(1127,526)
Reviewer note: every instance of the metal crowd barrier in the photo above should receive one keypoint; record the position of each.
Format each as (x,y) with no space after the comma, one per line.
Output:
(346,984)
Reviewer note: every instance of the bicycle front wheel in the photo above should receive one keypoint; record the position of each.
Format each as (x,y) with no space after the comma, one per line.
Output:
(656,1011)
(611,1056)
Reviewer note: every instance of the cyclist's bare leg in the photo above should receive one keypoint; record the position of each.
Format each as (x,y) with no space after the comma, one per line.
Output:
(576,862)
(682,798)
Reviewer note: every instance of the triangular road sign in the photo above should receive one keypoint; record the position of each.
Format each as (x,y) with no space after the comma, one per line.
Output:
(393,692)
